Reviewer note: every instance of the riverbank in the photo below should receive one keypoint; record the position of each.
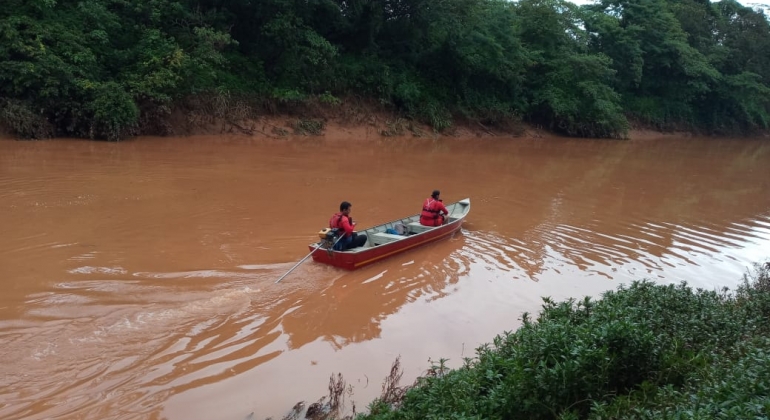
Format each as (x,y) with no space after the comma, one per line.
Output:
(352,118)
(647,350)
(345,120)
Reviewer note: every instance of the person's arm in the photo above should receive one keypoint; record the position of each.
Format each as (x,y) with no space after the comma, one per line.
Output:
(441,207)
(346,226)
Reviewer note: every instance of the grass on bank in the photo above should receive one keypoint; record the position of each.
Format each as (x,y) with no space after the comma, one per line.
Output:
(645,351)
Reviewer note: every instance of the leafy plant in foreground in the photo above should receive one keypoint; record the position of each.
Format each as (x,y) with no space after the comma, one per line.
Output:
(642,351)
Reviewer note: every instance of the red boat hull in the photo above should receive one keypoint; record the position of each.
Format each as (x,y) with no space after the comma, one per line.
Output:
(353,260)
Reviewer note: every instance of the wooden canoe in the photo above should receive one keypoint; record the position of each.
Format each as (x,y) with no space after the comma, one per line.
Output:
(380,244)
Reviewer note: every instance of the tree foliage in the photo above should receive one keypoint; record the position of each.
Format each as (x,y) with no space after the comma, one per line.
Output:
(102,68)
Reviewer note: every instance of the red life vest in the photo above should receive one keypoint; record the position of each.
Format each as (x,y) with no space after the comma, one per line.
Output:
(336,223)
(430,216)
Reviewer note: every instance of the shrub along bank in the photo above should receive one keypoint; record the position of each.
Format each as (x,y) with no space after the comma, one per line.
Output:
(646,351)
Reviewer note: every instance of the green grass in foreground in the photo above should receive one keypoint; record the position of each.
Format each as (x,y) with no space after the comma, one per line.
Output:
(646,351)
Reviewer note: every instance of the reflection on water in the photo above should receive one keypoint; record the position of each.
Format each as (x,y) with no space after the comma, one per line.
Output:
(138,277)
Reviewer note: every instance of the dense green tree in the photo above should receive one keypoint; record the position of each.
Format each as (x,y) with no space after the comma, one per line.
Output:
(741,99)
(112,68)
(686,63)
(88,68)
(570,88)
(668,74)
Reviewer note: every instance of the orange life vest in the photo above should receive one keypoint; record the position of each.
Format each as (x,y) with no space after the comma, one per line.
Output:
(430,215)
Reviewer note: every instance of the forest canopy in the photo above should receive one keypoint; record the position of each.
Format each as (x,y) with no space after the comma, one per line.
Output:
(114,68)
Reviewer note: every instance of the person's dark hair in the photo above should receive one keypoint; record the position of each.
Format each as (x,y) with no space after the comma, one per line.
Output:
(436,193)
(344,206)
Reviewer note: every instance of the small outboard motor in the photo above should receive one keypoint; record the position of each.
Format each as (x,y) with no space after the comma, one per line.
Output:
(328,237)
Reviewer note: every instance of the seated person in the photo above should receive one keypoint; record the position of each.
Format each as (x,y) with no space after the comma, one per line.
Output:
(432,209)
(345,224)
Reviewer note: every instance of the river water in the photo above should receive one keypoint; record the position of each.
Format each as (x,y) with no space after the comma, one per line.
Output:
(138,278)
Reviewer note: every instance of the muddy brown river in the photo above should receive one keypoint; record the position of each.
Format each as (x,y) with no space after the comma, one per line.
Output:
(138,278)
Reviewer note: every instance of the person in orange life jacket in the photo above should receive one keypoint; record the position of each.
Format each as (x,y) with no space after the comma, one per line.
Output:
(432,209)
(345,224)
